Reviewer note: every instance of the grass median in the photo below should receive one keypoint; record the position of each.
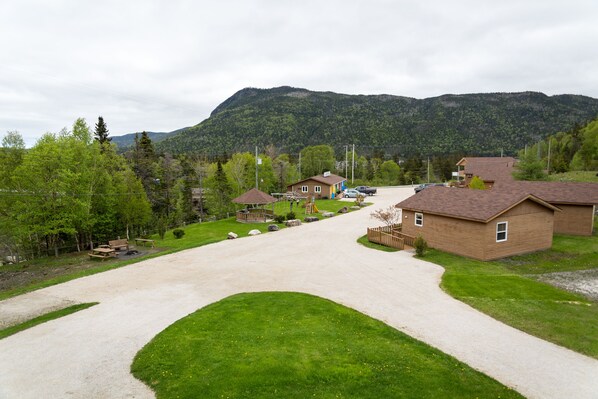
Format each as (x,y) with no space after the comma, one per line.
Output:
(291,345)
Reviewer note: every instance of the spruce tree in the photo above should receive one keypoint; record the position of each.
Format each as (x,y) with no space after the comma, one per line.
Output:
(101,132)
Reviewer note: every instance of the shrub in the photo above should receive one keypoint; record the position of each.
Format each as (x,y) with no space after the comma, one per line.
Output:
(279,218)
(290,215)
(161,226)
(420,246)
(178,233)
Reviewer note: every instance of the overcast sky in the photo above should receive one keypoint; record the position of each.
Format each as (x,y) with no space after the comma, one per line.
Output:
(163,65)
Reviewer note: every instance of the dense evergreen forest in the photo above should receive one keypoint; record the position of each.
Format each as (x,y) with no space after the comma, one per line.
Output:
(290,119)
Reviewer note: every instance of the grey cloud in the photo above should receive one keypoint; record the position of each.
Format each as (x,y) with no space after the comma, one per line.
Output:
(162,65)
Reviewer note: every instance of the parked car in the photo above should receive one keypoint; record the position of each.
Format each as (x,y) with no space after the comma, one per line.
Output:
(426,185)
(366,190)
(352,193)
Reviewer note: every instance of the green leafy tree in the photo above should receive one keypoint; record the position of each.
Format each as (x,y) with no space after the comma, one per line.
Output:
(477,184)
(390,172)
(529,167)
(316,160)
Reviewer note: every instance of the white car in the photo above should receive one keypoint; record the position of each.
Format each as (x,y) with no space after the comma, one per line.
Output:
(352,193)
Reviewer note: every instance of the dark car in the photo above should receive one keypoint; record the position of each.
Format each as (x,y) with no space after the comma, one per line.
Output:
(366,190)
(426,185)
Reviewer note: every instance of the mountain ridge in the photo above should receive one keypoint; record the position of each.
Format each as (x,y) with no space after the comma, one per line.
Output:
(291,118)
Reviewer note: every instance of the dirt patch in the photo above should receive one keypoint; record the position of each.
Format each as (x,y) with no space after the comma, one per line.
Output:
(583,282)
(23,274)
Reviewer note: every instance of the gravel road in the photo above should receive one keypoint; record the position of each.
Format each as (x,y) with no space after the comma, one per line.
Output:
(88,354)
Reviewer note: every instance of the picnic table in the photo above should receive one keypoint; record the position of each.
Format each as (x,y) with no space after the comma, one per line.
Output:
(102,253)
(145,241)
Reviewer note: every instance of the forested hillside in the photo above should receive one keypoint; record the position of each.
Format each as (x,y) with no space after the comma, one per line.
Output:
(573,150)
(291,118)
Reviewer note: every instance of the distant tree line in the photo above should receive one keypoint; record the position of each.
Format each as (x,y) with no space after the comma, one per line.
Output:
(73,191)
(575,149)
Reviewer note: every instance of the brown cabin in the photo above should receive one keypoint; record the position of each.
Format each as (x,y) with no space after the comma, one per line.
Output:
(326,185)
(577,202)
(480,224)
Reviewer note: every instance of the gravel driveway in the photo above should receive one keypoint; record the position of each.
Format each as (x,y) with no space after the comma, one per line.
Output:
(88,354)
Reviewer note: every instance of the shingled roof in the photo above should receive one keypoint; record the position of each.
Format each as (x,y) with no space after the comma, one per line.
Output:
(556,192)
(255,197)
(494,169)
(477,205)
(329,180)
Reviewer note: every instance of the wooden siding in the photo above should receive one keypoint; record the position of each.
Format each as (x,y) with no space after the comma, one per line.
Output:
(574,219)
(461,237)
(530,228)
(327,190)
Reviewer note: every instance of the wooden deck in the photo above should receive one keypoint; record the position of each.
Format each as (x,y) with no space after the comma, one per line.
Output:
(255,215)
(390,237)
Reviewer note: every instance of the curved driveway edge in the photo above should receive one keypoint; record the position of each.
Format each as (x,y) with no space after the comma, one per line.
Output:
(88,354)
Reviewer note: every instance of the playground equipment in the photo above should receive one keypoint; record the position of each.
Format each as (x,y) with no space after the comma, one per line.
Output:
(310,206)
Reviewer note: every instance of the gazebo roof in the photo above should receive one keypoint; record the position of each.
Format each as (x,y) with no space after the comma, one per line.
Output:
(255,197)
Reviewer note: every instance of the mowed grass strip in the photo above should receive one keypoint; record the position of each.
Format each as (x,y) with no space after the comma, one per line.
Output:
(6,332)
(506,291)
(363,240)
(291,345)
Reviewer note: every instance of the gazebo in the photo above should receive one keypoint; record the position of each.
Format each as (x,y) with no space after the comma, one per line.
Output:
(255,211)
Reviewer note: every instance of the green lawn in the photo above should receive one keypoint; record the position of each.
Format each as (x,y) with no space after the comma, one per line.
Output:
(583,176)
(363,240)
(44,318)
(291,345)
(506,290)
(52,270)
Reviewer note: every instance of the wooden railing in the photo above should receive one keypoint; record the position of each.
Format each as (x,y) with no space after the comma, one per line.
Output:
(254,215)
(390,236)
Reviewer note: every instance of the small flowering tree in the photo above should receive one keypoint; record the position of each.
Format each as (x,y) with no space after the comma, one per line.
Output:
(389,216)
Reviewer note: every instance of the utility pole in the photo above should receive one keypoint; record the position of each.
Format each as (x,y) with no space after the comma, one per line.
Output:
(256,161)
(548,166)
(300,165)
(346,161)
(428,169)
(501,152)
(353,165)
(525,151)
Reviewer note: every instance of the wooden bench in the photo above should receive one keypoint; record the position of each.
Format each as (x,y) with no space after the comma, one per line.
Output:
(118,244)
(102,253)
(145,241)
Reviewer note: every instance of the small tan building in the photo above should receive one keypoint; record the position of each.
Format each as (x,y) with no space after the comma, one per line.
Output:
(577,202)
(326,185)
(480,224)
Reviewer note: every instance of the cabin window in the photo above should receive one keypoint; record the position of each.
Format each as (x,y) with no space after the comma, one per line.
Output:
(501,231)
(318,189)
(419,219)
(303,189)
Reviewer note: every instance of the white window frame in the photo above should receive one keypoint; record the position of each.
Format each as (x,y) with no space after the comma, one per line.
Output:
(318,189)
(421,219)
(505,231)
(304,189)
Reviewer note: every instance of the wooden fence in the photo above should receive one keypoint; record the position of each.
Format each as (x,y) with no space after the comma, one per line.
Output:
(390,236)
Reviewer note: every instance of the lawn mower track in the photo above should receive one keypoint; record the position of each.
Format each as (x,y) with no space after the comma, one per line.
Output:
(88,354)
